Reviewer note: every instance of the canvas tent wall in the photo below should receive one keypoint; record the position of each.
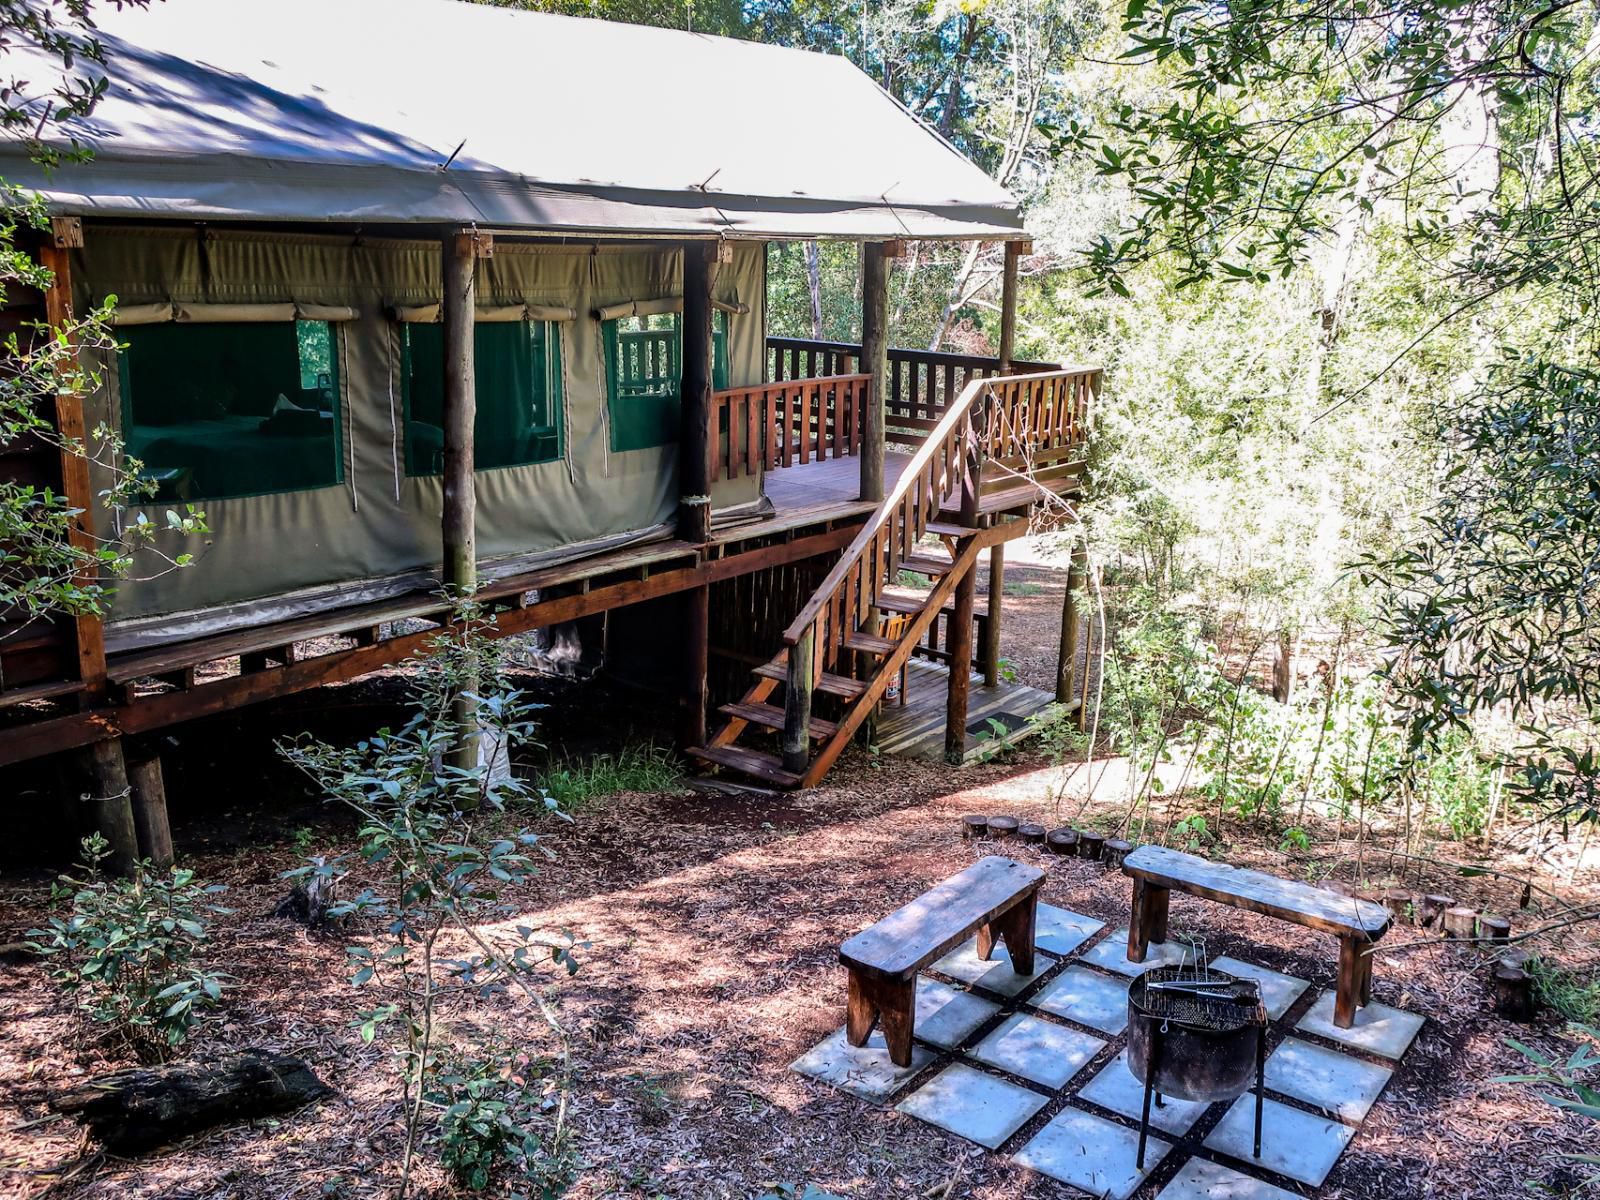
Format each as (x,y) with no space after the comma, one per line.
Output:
(376,524)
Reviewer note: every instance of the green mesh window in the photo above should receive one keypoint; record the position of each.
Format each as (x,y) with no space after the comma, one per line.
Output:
(245,409)
(517,367)
(644,376)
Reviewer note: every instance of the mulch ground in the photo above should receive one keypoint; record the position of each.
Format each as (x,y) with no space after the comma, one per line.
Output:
(712,924)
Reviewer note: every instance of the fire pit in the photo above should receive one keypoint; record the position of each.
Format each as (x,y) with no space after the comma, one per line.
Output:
(1196,1034)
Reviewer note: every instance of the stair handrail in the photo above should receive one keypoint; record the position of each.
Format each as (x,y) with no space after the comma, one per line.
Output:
(947,442)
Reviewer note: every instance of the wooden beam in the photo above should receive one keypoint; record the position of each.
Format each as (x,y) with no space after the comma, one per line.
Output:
(142,714)
(874,362)
(695,437)
(990,650)
(76,486)
(459,517)
(958,635)
(1008,306)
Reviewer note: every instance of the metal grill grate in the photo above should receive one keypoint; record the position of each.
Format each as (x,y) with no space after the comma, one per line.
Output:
(1199,998)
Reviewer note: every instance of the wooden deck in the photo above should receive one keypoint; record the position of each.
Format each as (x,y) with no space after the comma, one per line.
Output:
(916,728)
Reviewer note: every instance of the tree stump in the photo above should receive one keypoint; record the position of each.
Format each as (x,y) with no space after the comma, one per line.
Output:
(1003,829)
(1401,904)
(1090,845)
(1460,922)
(974,827)
(140,1109)
(308,901)
(1512,988)
(1494,929)
(1433,908)
(1063,842)
(1113,851)
(1032,834)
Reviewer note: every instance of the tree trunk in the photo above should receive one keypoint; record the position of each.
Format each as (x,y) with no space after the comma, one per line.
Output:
(814,286)
(137,1110)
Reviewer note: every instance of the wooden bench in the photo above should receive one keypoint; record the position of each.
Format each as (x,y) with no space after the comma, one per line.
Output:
(995,896)
(1356,923)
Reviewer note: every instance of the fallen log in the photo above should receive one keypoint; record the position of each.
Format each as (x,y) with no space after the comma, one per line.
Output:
(139,1109)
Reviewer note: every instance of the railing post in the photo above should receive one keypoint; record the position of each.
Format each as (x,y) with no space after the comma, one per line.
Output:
(797,702)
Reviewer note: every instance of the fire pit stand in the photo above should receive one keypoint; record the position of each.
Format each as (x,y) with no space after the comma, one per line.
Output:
(1196,1034)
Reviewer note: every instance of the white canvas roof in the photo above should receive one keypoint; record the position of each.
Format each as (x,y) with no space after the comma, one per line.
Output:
(347,110)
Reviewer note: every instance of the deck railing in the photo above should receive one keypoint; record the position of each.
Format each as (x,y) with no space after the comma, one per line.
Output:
(1013,418)
(922,384)
(782,424)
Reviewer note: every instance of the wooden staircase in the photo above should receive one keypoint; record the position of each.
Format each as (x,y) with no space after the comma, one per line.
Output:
(933,522)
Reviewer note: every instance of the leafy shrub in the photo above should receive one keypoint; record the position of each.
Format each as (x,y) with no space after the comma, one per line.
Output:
(491,1116)
(1576,998)
(127,948)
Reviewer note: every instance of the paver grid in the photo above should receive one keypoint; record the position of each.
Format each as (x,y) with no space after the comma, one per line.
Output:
(1009,1048)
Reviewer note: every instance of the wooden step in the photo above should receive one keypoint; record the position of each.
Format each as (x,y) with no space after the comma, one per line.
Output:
(926,564)
(770,716)
(911,605)
(757,765)
(834,685)
(868,643)
(946,529)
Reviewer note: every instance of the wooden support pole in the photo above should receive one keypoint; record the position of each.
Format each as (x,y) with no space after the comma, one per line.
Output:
(110,803)
(991,628)
(461,249)
(696,664)
(76,486)
(875,262)
(1008,306)
(958,636)
(694,439)
(1071,622)
(797,703)
(150,811)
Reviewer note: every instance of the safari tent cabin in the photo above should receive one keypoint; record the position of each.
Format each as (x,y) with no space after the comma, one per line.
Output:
(414,294)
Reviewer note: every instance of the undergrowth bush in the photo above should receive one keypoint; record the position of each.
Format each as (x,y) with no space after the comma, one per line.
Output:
(637,767)
(492,1105)
(127,948)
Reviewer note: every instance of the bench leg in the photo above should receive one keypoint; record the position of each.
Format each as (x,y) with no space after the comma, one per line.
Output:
(1015,928)
(1347,996)
(887,1002)
(1148,922)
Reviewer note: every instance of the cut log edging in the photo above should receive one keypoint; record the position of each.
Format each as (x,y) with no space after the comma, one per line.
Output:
(141,1108)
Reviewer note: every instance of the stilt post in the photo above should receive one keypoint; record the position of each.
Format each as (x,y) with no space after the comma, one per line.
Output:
(958,638)
(700,261)
(990,655)
(1071,622)
(876,258)
(696,665)
(111,804)
(149,794)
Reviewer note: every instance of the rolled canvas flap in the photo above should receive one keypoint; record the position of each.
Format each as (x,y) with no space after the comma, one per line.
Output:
(214,313)
(639,308)
(415,314)
(551,312)
(325,312)
(502,314)
(141,314)
(733,310)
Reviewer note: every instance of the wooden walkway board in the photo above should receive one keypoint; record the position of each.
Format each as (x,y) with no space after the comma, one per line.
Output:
(1285,899)
(940,918)
(916,728)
